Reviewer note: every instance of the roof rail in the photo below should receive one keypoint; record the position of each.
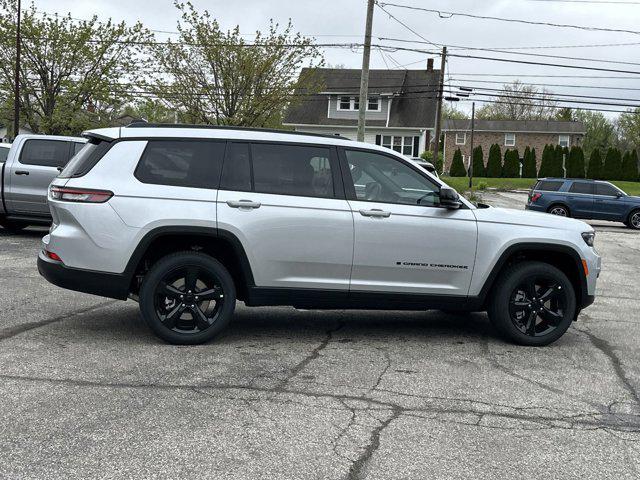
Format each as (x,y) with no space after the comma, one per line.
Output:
(229,127)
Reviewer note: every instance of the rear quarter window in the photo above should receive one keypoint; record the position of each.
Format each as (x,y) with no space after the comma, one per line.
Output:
(182,163)
(85,158)
(549,185)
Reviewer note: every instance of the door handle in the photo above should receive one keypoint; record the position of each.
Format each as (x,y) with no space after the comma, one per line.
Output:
(22,172)
(375,212)
(243,204)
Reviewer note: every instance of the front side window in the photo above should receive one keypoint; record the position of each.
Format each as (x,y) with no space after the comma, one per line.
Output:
(236,172)
(181,163)
(606,189)
(563,140)
(581,187)
(379,178)
(509,139)
(292,170)
(461,138)
(46,153)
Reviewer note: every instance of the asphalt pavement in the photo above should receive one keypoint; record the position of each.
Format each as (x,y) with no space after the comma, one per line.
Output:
(86,391)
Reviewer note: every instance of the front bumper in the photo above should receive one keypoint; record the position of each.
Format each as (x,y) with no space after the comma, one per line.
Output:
(111,285)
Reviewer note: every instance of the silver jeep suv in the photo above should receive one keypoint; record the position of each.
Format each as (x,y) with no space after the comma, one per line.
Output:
(186,220)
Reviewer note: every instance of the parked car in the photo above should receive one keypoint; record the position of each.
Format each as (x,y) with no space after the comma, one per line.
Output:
(4,151)
(186,220)
(31,163)
(587,199)
(428,166)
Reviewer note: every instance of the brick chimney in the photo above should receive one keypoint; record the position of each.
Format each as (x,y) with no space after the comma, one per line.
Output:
(429,64)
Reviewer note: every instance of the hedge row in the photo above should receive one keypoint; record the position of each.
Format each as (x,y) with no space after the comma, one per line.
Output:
(557,161)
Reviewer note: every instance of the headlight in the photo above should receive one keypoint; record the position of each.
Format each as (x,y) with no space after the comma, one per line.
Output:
(589,238)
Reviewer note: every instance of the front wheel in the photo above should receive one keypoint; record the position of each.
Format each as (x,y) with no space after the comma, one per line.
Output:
(634,220)
(533,304)
(187,298)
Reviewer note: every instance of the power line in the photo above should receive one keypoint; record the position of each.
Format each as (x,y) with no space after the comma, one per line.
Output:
(562,85)
(601,2)
(448,14)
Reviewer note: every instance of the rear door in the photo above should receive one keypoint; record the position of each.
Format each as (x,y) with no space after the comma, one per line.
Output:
(32,172)
(285,203)
(609,202)
(404,242)
(580,199)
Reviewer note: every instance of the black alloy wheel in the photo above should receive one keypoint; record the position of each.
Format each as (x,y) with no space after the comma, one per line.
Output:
(537,305)
(187,298)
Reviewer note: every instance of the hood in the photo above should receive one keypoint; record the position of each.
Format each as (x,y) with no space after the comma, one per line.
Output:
(512,216)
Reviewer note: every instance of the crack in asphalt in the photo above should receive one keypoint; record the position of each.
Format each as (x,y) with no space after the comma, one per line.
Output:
(9,332)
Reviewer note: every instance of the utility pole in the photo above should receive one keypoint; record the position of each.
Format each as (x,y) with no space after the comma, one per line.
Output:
(473,121)
(436,139)
(16,99)
(364,79)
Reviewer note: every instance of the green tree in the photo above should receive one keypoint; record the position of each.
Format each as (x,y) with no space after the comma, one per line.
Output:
(152,110)
(439,163)
(594,170)
(518,101)
(547,164)
(529,163)
(629,129)
(630,166)
(450,112)
(575,163)
(511,168)
(600,131)
(74,74)
(612,169)
(478,162)
(214,76)
(494,162)
(457,165)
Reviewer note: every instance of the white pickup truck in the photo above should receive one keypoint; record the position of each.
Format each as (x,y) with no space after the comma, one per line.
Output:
(32,162)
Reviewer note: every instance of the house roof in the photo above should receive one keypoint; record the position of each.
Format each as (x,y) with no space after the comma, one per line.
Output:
(529,126)
(412,105)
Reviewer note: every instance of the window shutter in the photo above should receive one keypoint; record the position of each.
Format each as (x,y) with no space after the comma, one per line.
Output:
(378,139)
(416,146)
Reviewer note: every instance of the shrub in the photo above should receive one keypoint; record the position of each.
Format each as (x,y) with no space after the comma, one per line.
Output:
(494,163)
(529,163)
(547,163)
(478,162)
(438,164)
(575,163)
(511,168)
(612,169)
(594,170)
(630,166)
(482,186)
(561,155)
(457,165)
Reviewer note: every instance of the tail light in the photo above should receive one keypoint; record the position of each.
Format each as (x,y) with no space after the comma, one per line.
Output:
(69,194)
(534,197)
(52,256)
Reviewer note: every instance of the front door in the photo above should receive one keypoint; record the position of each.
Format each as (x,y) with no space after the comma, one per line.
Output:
(609,202)
(32,173)
(405,242)
(286,205)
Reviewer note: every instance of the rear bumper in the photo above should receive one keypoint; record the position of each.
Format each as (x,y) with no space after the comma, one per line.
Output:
(534,207)
(111,285)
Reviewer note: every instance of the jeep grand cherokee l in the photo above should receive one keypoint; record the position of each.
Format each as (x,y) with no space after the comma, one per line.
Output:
(187,220)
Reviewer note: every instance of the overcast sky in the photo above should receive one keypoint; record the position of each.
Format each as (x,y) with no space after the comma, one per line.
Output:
(343,21)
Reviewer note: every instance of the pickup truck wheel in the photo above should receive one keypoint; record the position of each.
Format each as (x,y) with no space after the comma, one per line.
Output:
(187,298)
(634,220)
(534,304)
(12,225)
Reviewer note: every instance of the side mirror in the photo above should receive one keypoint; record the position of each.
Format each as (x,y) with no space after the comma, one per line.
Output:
(449,198)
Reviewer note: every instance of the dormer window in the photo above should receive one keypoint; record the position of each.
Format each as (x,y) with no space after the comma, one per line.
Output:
(352,104)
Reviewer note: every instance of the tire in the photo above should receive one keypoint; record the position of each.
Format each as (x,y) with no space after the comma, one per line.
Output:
(633,220)
(518,298)
(12,225)
(187,316)
(559,210)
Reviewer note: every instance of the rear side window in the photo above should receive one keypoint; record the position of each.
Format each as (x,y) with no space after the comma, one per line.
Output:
(181,163)
(86,158)
(581,187)
(548,185)
(236,173)
(292,170)
(604,189)
(46,153)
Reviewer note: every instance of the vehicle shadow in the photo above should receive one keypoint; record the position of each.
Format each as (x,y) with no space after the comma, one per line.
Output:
(29,232)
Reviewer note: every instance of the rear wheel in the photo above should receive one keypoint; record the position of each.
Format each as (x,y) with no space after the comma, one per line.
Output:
(534,304)
(559,210)
(634,220)
(187,298)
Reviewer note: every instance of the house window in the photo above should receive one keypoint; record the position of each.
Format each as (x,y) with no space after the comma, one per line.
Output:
(509,139)
(461,138)
(373,104)
(563,140)
(344,103)
(351,104)
(403,145)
